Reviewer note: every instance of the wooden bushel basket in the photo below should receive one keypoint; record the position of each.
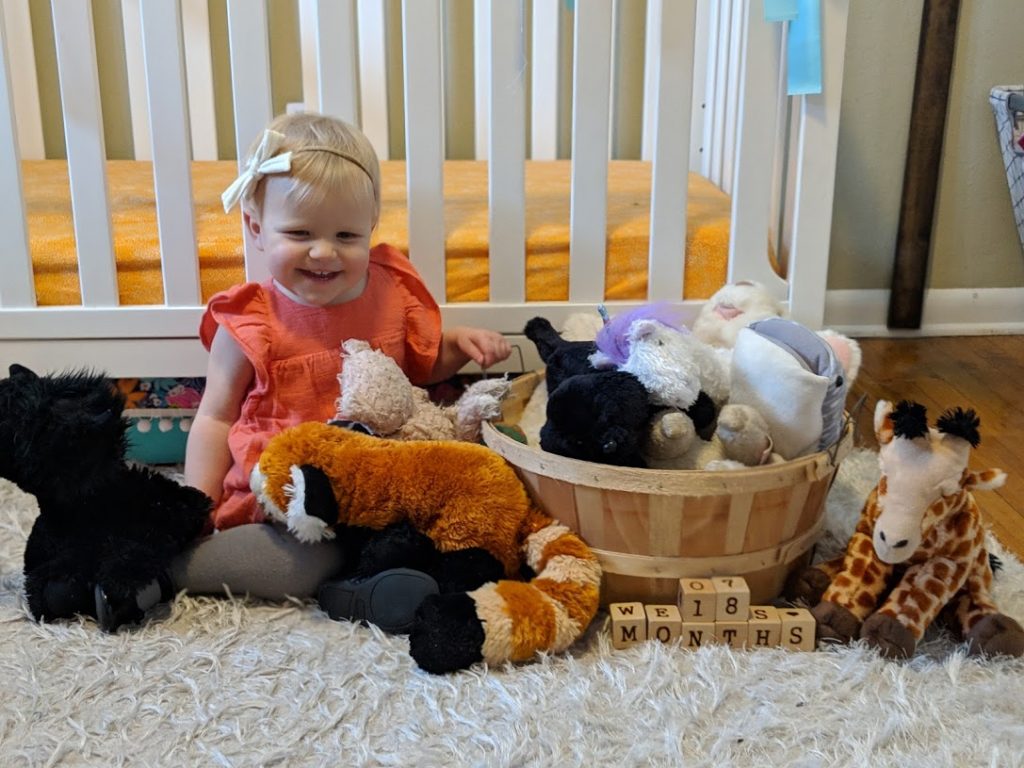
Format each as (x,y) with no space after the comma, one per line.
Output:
(650,527)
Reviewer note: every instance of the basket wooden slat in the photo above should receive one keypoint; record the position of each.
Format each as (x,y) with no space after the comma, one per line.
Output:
(650,527)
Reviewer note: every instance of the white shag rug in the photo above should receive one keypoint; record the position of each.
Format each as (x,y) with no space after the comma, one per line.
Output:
(224,682)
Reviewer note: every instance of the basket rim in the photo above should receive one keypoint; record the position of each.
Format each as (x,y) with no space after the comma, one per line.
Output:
(670,482)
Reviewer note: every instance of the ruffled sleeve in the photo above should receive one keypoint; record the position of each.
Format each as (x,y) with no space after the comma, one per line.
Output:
(243,311)
(422,315)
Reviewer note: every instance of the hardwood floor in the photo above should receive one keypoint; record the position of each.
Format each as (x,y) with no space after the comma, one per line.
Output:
(985,373)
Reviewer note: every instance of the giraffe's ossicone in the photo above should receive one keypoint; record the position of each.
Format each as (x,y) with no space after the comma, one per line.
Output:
(919,546)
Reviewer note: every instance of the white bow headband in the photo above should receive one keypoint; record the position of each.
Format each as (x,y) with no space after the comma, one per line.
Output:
(265,161)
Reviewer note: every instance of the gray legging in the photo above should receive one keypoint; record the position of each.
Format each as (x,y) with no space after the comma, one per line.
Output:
(257,559)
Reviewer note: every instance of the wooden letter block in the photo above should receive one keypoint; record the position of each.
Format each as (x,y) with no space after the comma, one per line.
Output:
(697,600)
(697,634)
(663,622)
(629,624)
(764,629)
(797,629)
(731,633)
(732,598)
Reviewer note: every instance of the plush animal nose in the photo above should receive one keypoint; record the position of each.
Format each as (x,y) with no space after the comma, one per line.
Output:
(899,544)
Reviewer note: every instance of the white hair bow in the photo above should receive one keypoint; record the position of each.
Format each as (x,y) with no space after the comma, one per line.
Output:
(262,162)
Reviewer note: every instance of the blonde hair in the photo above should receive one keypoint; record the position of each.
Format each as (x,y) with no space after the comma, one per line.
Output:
(328,155)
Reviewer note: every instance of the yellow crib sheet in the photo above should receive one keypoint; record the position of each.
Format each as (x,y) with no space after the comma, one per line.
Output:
(219,235)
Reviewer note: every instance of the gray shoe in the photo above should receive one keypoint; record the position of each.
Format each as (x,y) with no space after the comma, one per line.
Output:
(388,599)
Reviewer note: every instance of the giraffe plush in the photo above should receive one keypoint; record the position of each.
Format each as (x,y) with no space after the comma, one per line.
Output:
(919,546)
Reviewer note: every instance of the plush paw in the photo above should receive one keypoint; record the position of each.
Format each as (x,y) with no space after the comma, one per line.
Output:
(115,607)
(446,635)
(58,599)
(834,622)
(996,635)
(744,434)
(807,586)
(889,636)
(671,434)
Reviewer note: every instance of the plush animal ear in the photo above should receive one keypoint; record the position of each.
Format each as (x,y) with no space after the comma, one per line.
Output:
(847,351)
(643,329)
(909,420)
(960,423)
(883,424)
(21,372)
(984,479)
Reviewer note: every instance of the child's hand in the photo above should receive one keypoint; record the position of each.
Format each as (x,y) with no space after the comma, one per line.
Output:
(484,347)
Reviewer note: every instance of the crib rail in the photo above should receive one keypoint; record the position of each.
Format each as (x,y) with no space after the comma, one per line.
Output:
(719,55)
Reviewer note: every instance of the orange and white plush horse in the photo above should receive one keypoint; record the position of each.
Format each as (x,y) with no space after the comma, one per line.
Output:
(919,546)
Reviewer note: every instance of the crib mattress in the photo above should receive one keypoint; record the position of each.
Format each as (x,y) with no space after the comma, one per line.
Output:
(219,235)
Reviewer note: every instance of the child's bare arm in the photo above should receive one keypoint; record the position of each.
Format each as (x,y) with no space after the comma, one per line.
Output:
(461,344)
(207,457)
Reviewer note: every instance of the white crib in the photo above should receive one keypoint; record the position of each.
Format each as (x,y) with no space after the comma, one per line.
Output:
(712,102)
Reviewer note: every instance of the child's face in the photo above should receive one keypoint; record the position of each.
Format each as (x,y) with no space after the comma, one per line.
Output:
(319,251)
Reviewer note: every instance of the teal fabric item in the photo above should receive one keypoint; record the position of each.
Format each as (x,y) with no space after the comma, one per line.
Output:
(803,54)
(780,10)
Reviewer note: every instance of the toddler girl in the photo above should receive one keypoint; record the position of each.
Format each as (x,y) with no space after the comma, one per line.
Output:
(310,198)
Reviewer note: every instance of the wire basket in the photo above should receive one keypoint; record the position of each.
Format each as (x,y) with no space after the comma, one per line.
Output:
(1008,105)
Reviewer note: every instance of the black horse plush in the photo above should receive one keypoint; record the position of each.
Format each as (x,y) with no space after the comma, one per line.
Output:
(106,532)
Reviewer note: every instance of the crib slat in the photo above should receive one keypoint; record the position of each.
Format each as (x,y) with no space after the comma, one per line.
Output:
(735,73)
(250,90)
(83,135)
(544,80)
(816,173)
(16,288)
(651,52)
(481,77)
(373,80)
(506,180)
(701,35)
(588,213)
(24,85)
(195,20)
(132,24)
(172,174)
(751,191)
(336,58)
(672,92)
(307,48)
(424,140)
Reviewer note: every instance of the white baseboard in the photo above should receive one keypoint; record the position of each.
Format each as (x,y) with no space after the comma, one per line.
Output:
(946,312)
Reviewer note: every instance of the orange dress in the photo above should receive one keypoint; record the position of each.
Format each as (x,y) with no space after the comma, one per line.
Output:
(295,351)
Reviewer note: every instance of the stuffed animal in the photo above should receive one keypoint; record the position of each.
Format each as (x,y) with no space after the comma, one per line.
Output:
(378,396)
(732,307)
(601,416)
(562,358)
(672,364)
(469,502)
(590,415)
(741,439)
(105,532)
(579,326)
(919,546)
(792,377)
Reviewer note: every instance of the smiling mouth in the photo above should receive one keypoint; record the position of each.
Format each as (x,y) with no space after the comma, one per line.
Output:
(323,277)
